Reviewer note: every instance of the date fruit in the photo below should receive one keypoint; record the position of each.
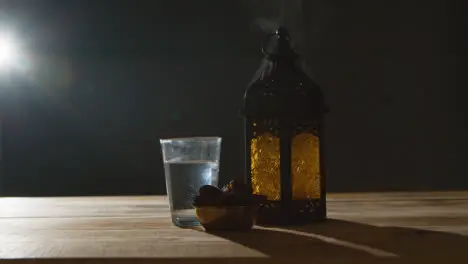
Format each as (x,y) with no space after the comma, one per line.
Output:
(236,193)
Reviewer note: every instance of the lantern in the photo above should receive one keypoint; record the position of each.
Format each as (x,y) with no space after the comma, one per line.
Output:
(283,112)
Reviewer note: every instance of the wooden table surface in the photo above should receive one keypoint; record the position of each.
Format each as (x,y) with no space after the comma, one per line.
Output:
(371,227)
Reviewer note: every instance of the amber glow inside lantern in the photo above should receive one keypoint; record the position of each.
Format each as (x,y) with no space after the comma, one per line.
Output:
(283,110)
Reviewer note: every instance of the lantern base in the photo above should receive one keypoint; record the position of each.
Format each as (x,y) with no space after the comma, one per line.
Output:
(296,212)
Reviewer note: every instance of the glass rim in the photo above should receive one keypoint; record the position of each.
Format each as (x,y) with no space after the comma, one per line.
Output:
(200,139)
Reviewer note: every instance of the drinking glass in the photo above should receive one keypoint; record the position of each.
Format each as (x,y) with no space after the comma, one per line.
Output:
(189,163)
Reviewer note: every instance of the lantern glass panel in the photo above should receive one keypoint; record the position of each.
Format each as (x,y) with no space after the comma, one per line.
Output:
(265,158)
(305,169)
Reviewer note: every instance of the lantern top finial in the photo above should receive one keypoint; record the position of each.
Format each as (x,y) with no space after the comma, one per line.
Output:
(282,32)
(278,45)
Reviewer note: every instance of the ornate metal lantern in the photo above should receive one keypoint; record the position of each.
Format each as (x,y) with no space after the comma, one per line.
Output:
(283,111)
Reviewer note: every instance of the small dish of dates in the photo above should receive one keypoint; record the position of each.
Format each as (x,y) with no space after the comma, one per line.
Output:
(232,207)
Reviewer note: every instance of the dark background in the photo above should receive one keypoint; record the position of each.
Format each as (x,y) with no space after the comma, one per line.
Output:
(110,78)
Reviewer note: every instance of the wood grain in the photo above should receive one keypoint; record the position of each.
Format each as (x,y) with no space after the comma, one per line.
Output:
(366,227)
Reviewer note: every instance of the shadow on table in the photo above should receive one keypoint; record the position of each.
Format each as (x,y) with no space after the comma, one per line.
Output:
(350,240)
(328,242)
(405,242)
(178,261)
